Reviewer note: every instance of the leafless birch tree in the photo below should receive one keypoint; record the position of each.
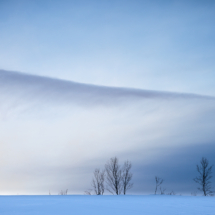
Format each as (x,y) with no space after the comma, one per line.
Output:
(126,177)
(113,176)
(98,182)
(205,174)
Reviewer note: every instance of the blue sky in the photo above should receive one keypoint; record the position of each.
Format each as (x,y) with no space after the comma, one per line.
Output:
(157,45)
(69,106)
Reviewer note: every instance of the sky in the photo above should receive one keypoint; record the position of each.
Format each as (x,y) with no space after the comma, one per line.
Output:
(158,45)
(83,81)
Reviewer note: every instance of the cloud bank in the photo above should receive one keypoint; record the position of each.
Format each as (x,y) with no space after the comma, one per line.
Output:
(55,132)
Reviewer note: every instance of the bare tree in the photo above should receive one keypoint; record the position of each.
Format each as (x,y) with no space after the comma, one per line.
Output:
(98,182)
(158,182)
(113,176)
(126,177)
(63,192)
(205,174)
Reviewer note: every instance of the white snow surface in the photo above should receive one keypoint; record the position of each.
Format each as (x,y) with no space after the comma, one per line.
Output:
(81,205)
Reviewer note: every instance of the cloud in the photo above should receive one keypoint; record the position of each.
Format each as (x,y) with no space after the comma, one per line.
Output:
(31,87)
(55,132)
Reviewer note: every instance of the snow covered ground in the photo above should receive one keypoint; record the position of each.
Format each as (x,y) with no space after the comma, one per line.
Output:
(137,205)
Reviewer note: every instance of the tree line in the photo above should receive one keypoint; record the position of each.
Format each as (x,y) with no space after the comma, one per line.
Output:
(117,179)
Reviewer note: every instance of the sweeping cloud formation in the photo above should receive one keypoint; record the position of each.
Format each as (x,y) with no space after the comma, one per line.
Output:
(54,133)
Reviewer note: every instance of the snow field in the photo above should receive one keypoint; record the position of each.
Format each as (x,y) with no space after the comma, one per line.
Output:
(106,205)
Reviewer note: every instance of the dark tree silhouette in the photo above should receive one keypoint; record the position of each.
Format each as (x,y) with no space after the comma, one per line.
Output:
(158,182)
(126,177)
(98,182)
(114,176)
(205,174)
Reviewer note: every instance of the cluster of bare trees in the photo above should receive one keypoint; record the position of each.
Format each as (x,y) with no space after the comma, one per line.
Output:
(203,179)
(114,178)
